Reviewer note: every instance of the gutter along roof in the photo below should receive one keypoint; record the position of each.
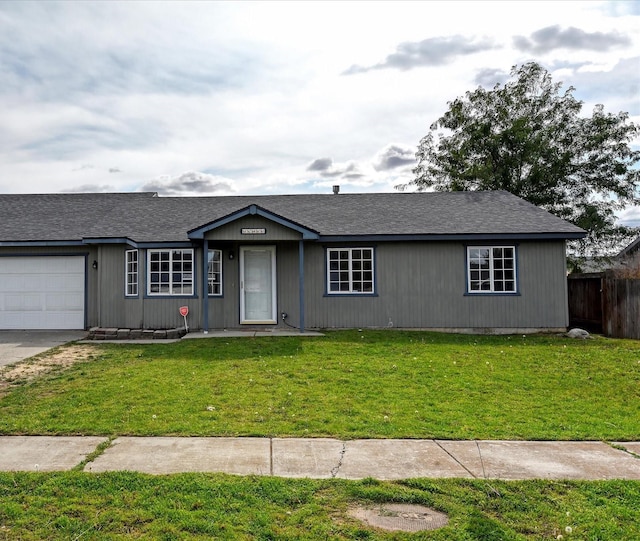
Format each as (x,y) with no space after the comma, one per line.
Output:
(140,218)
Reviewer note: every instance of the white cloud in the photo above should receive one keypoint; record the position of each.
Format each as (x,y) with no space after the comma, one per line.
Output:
(222,97)
(189,183)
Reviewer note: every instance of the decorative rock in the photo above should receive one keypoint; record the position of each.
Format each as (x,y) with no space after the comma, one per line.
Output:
(580,334)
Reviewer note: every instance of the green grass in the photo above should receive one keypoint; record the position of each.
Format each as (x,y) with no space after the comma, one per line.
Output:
(125,505)
(380,384)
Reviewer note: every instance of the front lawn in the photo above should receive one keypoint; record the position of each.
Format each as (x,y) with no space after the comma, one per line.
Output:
(348,384)
(126,505)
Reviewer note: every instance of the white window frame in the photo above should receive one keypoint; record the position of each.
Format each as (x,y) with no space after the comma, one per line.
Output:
(131,273)
(352,266)
(495,272)
(212,272)
(171,271)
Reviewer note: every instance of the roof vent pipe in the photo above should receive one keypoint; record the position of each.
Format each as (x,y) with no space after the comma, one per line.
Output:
(336,190)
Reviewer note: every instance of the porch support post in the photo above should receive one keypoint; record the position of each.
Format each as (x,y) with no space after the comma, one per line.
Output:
(301,282)
(205,286)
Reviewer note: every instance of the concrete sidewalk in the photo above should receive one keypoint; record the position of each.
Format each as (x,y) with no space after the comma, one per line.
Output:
(324,458)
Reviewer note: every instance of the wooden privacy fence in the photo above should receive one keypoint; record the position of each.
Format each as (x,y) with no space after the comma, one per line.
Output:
(604,303)
(621,307)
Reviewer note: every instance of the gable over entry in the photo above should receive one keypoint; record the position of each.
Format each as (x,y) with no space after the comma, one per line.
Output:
(258,269)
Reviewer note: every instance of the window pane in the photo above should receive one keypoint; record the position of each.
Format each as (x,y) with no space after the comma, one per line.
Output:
(350,270)
(491,269)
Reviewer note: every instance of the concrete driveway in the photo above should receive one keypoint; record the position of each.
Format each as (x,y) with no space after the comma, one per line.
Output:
(19,345)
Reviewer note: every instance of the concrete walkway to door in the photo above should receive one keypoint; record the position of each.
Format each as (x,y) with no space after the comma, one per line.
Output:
(18,345)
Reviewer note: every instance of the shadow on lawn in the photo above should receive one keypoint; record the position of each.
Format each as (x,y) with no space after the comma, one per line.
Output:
(221,349)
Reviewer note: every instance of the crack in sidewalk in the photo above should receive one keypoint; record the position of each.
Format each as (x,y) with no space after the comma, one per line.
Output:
(336,468)
(97,452)
(455,458)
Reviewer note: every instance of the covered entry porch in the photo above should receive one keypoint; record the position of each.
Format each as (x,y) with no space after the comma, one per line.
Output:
(253,272)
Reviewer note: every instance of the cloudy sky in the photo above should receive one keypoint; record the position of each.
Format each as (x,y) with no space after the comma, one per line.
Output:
(216,98)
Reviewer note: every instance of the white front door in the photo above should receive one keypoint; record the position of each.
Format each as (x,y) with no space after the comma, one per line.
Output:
(258,285)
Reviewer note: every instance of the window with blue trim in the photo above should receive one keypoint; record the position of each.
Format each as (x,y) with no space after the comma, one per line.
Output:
(131,273)
(491,269)
(350,271)
(170,272)
(214,272)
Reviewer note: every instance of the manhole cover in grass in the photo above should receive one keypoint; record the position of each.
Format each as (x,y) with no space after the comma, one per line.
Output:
(400,517)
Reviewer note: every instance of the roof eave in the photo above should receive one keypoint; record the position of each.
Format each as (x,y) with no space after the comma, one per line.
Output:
(452,237)
(36,243)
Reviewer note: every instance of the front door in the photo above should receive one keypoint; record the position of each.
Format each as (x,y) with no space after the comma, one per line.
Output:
(258,285)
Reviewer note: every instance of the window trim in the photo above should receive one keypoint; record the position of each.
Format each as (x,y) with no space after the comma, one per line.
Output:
(492,291)
(209,278)
(351,292)
(170,293)
(131,277)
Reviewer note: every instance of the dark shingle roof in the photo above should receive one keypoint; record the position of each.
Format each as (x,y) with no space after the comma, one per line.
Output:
(143,217)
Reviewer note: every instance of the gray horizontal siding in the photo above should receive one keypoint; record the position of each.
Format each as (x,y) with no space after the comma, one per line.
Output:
(424,284)
(142,312)
(419,285)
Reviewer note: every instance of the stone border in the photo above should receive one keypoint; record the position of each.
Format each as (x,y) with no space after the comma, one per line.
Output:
(114,333)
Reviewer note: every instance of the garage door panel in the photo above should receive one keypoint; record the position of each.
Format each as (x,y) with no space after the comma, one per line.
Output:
(22,303)
(12,282)
(42,292)
(63,302)
(60,282)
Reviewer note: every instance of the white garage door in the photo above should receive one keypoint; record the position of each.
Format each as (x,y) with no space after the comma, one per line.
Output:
(42,292)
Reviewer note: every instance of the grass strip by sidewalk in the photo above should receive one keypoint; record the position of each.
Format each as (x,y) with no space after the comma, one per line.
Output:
(125,505)
(348,384)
